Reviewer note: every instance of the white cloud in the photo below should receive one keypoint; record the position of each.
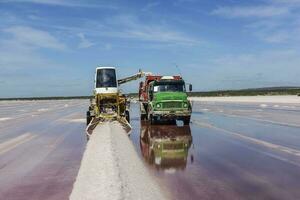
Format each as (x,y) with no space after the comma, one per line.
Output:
(127,26)
(276,37)
(267,68)
(150,6)
(263,24)
(281,61)
(14,56)
(131,27)
(275,21)
(34,37)
(65,3)
(277,31)
(21,48)
(281,36)
(285,1)
(84,43)
(180,2)
(108,46)
(159,34)
(251,11)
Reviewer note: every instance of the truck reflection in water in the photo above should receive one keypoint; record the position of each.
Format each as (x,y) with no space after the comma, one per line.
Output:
(166,146)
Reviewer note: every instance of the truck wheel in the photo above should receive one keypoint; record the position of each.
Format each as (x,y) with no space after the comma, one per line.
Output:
(187,120)
(88,117)
(152,120)
(143,116)
(127,115)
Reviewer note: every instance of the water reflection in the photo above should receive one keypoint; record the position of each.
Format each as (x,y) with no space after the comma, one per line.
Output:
(165,146)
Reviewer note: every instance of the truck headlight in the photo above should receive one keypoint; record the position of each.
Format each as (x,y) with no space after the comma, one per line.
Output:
(158,105)
(185,105)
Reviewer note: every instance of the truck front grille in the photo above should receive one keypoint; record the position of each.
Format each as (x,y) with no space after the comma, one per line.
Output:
(172,104)
(173,146)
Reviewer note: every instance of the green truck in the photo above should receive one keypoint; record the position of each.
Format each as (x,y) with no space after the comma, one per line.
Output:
(164,98)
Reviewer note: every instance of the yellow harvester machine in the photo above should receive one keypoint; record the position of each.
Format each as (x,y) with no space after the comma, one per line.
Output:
(108,103)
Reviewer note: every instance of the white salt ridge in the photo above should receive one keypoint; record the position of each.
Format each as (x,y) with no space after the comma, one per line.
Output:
(251,99)
(111,169)
(80,120)
(263,105)
(5,119)
(42,109)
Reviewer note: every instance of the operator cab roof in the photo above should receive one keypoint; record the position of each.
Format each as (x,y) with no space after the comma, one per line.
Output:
(103,67)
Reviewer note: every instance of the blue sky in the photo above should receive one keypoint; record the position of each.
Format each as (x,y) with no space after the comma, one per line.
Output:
(51,47)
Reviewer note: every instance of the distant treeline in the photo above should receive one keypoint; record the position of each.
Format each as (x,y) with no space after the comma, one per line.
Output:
(244,92)
(45,98)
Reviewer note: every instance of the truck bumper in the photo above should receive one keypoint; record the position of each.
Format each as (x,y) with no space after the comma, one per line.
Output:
(171,114)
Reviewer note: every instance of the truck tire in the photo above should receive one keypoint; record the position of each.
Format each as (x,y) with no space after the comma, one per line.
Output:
(88,117)
(143,117)
(152,120)
(186,120)
(127,116)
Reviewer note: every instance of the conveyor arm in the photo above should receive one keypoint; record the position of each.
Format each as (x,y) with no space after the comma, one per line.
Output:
(136,76)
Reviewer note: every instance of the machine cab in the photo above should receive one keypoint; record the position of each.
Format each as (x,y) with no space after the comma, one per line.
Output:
(106,80)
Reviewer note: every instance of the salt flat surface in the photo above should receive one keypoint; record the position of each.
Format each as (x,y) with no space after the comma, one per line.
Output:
(239,151)
(252,99)
(40,152)
(111,169)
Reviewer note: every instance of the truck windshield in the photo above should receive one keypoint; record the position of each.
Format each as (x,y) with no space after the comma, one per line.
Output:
(106,78)
(169,87)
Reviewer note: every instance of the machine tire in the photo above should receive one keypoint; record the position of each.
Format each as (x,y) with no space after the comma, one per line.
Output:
(88,117)
(187,120)
(127,116)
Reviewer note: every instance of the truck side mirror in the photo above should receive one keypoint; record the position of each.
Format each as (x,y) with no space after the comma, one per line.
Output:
(190,87)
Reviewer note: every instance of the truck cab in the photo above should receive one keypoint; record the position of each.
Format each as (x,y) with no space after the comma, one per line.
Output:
(165,98)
